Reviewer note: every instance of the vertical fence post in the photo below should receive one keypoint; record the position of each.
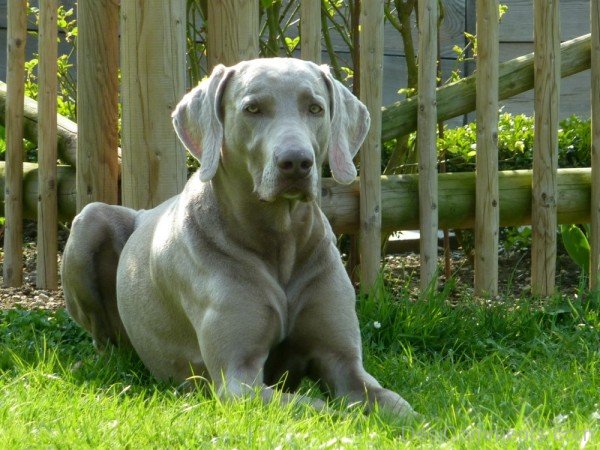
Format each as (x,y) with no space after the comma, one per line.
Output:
(545,158)
(47,245)
(310,28)
(371,80)
(426,141)
(595,228)
(232,31)
(153,48)
(310,43)
(97,100)
(13,190)
(487,211)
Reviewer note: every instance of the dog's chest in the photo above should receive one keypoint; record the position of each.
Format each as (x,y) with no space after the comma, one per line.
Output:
(284,262)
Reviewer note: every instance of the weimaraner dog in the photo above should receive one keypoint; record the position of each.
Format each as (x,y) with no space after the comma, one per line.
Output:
(238,278)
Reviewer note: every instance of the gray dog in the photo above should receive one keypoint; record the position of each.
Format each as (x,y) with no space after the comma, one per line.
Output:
(238,278)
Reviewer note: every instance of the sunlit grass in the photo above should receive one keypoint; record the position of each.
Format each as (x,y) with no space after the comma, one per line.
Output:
(511,374)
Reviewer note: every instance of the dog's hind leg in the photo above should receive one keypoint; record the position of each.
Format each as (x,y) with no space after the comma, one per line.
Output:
(89,268)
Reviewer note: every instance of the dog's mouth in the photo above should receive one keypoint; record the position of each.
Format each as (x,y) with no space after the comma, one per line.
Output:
(295,194)
(295,191)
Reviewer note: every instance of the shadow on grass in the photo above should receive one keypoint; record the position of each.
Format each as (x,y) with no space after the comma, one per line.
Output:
(51,341)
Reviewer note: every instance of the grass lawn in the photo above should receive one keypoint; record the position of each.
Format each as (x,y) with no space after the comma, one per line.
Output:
(503,374)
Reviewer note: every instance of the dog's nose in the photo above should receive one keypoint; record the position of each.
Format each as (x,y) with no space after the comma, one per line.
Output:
(294,163)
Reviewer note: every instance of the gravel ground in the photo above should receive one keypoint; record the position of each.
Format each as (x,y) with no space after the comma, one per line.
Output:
(401,273)
(29,296)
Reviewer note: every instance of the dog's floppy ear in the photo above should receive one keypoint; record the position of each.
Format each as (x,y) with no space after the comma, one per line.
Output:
(350,123)
(198,123)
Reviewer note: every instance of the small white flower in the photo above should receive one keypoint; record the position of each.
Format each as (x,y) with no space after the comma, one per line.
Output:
(377,325)
(561,418)
(585,439)
(596,415)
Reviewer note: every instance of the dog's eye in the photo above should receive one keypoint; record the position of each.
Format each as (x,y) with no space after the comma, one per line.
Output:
(315,109)
(252,109)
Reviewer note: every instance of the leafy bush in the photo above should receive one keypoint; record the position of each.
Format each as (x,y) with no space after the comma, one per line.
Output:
(515,144)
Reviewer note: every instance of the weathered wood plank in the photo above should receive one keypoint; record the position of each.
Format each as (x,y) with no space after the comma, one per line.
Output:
(232,31)
(47,225)
(545,154)
(13,191)
(153,81)
(426,142)
(371,74)
(97,100)
(310,26)
(487,212)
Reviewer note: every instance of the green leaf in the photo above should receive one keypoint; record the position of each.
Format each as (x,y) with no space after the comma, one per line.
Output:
(292,43)
(577,245)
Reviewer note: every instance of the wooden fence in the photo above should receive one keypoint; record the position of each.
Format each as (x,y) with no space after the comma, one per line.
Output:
(152,48)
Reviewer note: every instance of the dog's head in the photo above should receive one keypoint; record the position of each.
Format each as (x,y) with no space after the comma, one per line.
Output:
(273,121)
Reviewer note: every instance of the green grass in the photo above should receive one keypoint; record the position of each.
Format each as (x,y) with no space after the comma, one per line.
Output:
(505,374)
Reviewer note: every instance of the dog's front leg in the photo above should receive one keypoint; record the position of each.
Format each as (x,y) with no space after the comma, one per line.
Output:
(246,381)
(328,328)
(235,344)
(348,379)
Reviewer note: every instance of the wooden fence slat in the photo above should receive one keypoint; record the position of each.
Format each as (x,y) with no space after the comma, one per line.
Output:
(97,100)
(232,31)
(310,44)
(13,190)
(310,27)
(487,210)
(371,77)
(153,48)
(595,209)
(426,141)
(47,245)
(545,158)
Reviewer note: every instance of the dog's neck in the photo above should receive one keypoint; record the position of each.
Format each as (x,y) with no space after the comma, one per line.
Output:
(279,232)
(239,202)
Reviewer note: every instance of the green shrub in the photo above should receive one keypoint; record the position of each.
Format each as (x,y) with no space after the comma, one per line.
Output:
(515,144)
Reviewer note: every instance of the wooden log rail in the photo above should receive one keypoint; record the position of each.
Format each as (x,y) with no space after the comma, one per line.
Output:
(399,198)
(458,98)
(66,129)
(457,200)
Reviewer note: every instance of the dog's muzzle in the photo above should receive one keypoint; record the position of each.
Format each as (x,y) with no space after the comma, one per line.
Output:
(294,168)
